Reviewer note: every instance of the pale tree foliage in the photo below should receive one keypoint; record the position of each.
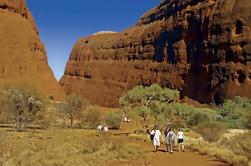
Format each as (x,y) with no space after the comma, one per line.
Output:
(143,112)
(149,101)
(22,105)
(163,113)
(174,114)
(162,107)
(72,107)
(141,95)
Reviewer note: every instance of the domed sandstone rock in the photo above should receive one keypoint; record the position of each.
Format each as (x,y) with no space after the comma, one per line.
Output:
(200,47)
(23,60)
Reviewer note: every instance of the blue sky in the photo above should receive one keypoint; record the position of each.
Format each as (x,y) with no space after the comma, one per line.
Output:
(62,22)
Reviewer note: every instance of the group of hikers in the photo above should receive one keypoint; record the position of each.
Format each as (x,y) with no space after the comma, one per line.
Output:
(155,136)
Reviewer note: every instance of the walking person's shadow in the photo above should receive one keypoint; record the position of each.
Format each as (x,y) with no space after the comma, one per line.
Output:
(161,150)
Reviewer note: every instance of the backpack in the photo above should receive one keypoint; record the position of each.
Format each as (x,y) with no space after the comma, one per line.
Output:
(165,133)
(152,136)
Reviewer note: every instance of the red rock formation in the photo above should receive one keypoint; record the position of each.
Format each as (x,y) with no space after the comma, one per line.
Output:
(23,60)
(201,47)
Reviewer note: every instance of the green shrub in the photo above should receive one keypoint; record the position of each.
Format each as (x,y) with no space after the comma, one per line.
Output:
(211,131)
(229,110)
(145,96)
(114,119)
(198,117)
(235,124)
(235,112)
(72,107)
(147,101)
(93,117)
(21,106)
(201,115)
(247,121)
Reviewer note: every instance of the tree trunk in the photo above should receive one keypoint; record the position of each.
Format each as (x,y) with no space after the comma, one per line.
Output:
(71,118)
(25,123)
(144,123)
(19,123)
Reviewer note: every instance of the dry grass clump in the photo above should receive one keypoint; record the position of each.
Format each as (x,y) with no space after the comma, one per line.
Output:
(139,137)
(211,131)
(97,151)
(220,151)
(64,147)
(239,144)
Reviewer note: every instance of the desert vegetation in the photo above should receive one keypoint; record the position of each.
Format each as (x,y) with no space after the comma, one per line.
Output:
(147,106)
(211,131)
(93,117)
(236,113)
(202,48)
(72,107)
(114,119)
(20,107)
(234,150)
(155,105)
(161,106)
(65,147)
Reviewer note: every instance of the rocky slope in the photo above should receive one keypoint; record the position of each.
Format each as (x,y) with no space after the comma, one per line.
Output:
(201,47)
(23,60)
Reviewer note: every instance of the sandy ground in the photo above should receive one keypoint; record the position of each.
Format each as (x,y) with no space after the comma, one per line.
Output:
(187,158)
(62,138)
(162,158)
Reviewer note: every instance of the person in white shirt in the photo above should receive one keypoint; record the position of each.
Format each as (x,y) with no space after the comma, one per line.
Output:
(156,139)
(181,140)
(105,129)
(170,138)
(100,127)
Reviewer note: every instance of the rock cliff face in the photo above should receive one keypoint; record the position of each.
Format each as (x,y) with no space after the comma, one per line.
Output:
(201,47)
(23,60)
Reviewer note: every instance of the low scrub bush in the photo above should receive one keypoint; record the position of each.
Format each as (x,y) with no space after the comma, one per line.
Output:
(5,118)
(211,131)
(217,150)
(114,119)
(201,115)
(72,107)
(234,124)
(22,107)
(235,112)
(247,121)
(240,144)
(93,118)
(66,147)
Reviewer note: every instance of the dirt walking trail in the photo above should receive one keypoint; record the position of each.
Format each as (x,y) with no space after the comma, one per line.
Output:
(163,158)
(187,158)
